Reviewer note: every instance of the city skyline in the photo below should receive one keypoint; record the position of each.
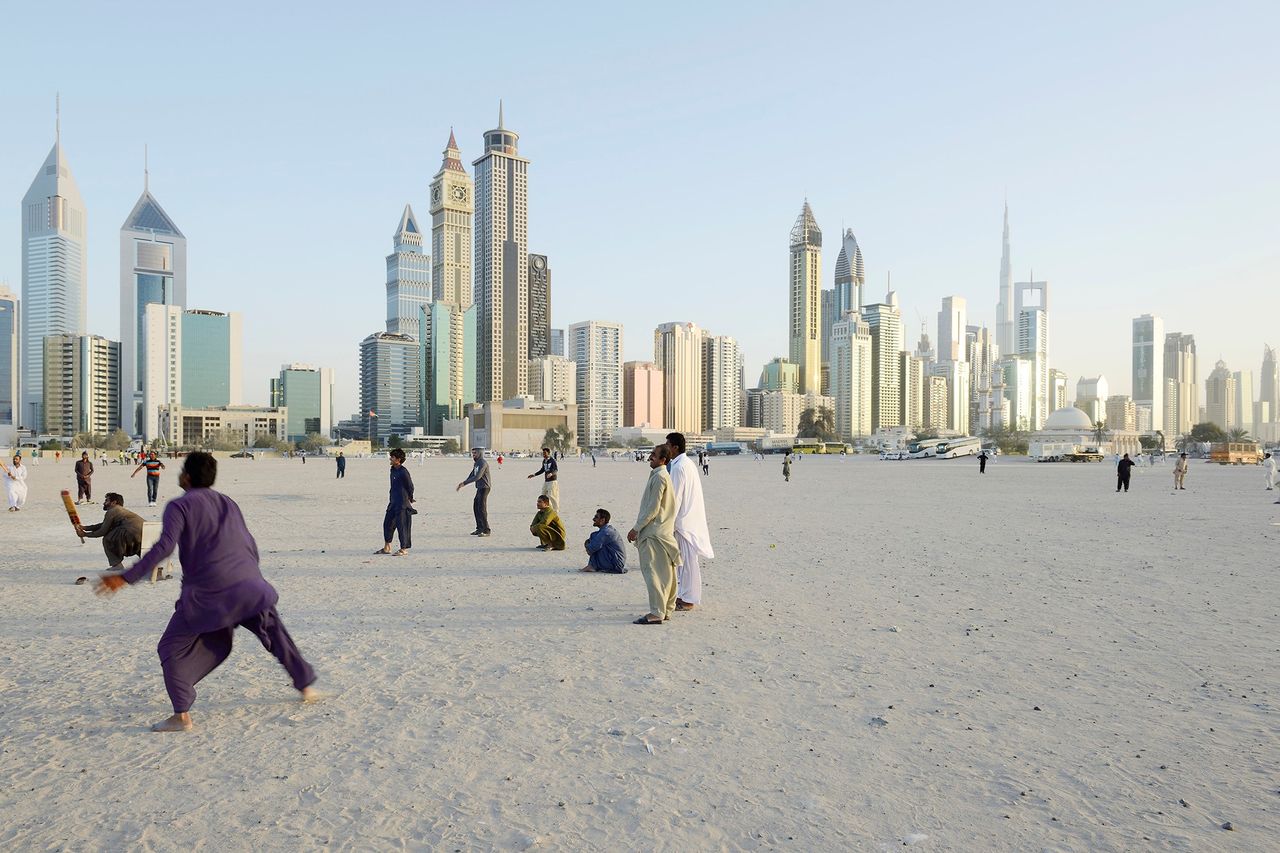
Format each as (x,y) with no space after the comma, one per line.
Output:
(1100,212)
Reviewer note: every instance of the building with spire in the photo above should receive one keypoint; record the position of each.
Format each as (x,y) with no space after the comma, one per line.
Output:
(851,276)
(153,271)
(1265,417)
(54,265)
(502,266)
(804,320)
(448,325)
(408,278)
(1006,321)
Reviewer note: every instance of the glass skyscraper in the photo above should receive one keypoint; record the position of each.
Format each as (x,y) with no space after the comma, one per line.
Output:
(408,278)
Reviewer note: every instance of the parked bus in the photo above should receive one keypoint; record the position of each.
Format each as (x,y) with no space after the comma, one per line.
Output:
(953,447)
(1235,453)
(724,448)
(926,448)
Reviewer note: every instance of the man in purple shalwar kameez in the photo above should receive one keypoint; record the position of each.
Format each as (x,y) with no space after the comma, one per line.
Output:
(222,587)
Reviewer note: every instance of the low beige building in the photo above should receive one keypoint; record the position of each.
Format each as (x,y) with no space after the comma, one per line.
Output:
(518,424)
(185,427)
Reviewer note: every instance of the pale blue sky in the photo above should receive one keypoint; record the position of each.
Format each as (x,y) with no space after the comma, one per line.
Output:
(672,146)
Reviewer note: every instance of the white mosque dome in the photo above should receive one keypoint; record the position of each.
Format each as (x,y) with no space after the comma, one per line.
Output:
(1070,418)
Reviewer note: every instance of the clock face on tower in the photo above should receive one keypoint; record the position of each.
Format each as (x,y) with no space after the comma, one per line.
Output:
(459,193)
(435,194)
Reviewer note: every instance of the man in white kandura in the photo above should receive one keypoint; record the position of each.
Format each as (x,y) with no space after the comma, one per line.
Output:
(692,535)
(1269,464)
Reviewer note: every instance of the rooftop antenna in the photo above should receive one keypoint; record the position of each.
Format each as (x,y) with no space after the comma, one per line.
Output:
(146,171)
(57,118)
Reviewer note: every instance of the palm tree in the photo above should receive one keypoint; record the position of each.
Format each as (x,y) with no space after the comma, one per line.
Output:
(1238,434)
(1100,431)
(817,422)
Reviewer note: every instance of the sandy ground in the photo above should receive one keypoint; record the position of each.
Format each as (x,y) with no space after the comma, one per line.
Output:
(891,653)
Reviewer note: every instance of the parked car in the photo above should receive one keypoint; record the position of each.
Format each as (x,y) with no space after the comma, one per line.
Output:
(242,454)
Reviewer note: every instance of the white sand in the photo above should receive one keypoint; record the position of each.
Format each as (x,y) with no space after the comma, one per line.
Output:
(485,695)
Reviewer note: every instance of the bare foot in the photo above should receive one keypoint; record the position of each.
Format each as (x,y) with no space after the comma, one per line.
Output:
(176,723)
(586,569)
(310,695)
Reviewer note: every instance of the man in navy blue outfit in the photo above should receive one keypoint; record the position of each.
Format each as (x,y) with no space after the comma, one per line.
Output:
(400,511)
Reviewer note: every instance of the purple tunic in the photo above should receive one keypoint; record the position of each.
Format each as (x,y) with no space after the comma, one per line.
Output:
(222,585)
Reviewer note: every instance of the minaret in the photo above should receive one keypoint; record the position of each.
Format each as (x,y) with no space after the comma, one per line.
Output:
(805,304)
(1005,325)
(153,271)
(502,266)
(408,277)
(54,263)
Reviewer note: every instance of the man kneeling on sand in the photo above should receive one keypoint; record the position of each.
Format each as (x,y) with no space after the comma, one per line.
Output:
(606,551)
(120,531)
(547,526)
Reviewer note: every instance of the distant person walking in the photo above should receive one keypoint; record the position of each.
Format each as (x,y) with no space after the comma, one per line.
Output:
(786,468)
(1124,468)
(982,462)
(153,468)
(479,476)
(1269,463)
(84,478)
(655,538)
(550,472)
(400,511)
(342,467)
(15,483)
(1180,472)
(692,536)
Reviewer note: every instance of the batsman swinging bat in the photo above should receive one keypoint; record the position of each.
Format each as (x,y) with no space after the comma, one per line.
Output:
(71,512)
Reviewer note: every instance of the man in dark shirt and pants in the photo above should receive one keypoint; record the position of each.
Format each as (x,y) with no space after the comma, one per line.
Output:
(480,506)
(342,466)
(550,472)
(400,511)
(1123,469)
(84,478)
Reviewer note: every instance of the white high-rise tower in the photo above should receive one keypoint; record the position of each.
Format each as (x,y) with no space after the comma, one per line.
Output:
(54,225)
(804,320)
(153,271)
(408,278)
(502,266)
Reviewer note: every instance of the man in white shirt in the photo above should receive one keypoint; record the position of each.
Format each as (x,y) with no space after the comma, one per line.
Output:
(692,535)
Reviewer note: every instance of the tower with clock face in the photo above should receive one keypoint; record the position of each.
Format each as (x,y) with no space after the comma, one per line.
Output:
(452,206)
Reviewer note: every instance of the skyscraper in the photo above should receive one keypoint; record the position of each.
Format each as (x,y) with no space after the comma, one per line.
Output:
(539,307)
(885,323)
(642,396)
(553,379)
(1244,414)
(10,347)
(1181,390)
(502,266)
(1031,315)
(721,382)
(851,276)
(1148,367)
(192,359)
(952,327)
(153,271)
(596,347)
(851,376)
(805,306)
(448,326)
(389,384)
(81,385)
(1006,320)
(1220,397)
(408,278)
(54,264)
(557,342)
(677,350)
(1269,387)
(306,391)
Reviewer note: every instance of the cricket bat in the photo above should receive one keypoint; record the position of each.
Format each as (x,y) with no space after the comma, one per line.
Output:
(71,512)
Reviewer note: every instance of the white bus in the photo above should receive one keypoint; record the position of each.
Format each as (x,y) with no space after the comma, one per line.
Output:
(926,448)
(953,447)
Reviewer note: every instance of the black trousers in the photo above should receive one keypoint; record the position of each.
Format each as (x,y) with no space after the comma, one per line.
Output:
(1122,480)
(480,506)
(399,521)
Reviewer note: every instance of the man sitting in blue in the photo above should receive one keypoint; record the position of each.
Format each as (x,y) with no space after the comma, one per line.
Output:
(606,552)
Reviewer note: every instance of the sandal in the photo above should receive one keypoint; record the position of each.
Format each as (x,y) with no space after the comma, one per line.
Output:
(645,620)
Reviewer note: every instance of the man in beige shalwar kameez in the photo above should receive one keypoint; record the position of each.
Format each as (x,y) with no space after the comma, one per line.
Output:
(655,538)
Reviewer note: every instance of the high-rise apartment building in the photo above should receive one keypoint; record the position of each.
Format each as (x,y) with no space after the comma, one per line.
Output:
(1006,320)
(81,385)
(1017,377)
(1148,367)
(1031,314)
(1265,415)
(408,277)
(1220,397)
(153,271)
(557,342)
(389,385)
(952,329)
(721,382)
(54,265)
(553,379)
(936,416)
(677,350)
(539,307)
(1091,397)
(827,310)
(885,322)
(1121,413)
(1244,416)
(912,394)
(851,384)
(10,349)
(805,319)
(306,393)
(1057,389)
(502,266)
(1181,388)
(642,396)
(781,375)
(192,359)
(596,348)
